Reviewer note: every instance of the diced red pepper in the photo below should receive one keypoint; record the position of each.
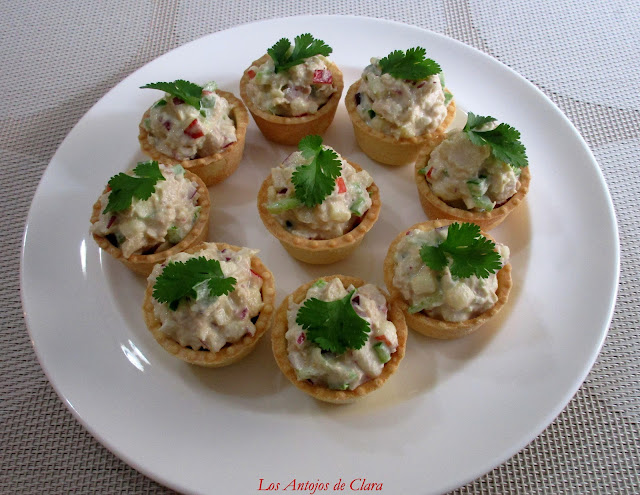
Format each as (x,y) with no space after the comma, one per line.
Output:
(384,339)
(254,273)
(342,188)
(322,76)
(251,73)
(429,173)
(194,130)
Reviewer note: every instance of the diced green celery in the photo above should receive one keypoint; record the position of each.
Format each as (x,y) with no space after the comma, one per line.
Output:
(260,77)
(422,171)
(173,235)
(478,187)
(320,284)
(305,373)
(177,169)
(283,205)
(382,351)
(483,203)
(196,213)
(147,124)
(357,206)
(427,303)
(342,386)
(372,114)
(210,86)
(160,103)
(441,77)
(203,112)
(447,98)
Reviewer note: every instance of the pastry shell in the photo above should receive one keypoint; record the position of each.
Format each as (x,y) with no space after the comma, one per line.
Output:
(279,345)
(391,150)
(230,353)
(214,168)
(434,207)
(325,251)
(436,328)
(144,263)
(290,130)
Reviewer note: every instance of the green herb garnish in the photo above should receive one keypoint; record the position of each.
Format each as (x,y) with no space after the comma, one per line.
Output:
(187,91)
(466,250)
(125,187)
(411,65)
(333,326)
(315,181)
(178,281)
(305,46)
(504,140)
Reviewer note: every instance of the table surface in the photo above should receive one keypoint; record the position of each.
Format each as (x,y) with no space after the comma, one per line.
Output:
(61,56)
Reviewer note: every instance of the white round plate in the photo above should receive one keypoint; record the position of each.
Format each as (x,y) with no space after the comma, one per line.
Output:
(453,411)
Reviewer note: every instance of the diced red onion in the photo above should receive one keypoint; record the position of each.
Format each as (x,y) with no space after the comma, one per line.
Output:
(111,220)
(301,338)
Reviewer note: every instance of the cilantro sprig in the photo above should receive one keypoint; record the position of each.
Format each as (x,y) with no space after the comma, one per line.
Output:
(284,57)
(465,250)
(125,187)
(315,181)
(333,326)
(187,91)
(412,65)
(178,281)
(504,140)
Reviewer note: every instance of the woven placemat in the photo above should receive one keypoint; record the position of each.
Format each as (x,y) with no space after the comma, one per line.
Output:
(61,56)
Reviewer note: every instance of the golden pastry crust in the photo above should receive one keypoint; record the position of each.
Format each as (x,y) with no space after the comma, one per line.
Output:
(230,353)
(320,252)
(144,263)
(214,168)
(279,345)
(434,207)
(290,130)
(387,149)
(432,327)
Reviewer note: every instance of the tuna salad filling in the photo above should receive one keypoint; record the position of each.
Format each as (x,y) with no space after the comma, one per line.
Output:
(210,322)
(340,211)
(401,108)
(468,176)
(184,132)
(300,90)
(347,370)
(155,224)
(438,294)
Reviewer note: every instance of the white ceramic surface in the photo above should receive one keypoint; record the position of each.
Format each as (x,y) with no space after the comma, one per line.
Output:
(453,411)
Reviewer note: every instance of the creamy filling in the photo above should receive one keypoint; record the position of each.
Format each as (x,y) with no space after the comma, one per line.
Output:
(184,132)
(437,293)
(355,366)
(400,108)
(212,322)
(468,176)
(337,214)
(154,224)
(300,90)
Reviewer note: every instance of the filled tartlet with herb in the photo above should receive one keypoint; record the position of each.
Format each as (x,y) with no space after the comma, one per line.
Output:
(478,174)
(399,106)
(149,214)
(293,91)
(317,204)
(448,278)
(199,127)
(338,338)
(210,305)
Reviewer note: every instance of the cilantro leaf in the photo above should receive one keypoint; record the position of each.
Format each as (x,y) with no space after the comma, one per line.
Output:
(504,140)
(411,65)
(125,187)
(187,91)
(178,281)
(315,181)
(305,46)
(333,326)
(468,251)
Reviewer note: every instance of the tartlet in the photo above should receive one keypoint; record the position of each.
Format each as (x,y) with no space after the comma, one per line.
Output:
(390,150)
(214,168)
(325,251)
(290,130)
(437,328)
(279,345)
(230,353)
(435,208)
(144,263)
